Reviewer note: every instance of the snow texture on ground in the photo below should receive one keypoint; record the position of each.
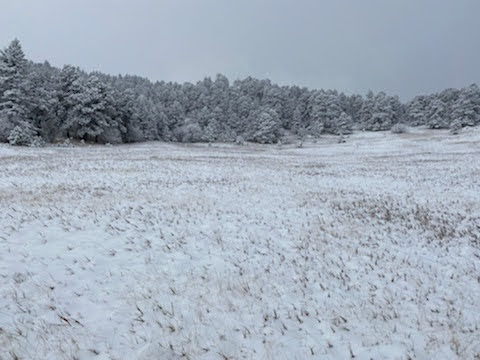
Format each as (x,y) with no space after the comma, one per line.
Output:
(365,249)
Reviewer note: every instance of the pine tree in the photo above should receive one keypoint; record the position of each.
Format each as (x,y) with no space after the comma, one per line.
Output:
(318,114)
(418,110)
(467,107)
(220,95)
(89,116)
(354,106)
(147,116)
(13,103)
(291,95)
(266,127)
(333,114)
(366,111)
(42,100)
(24,135)
(214,128)
(437,118)
(343,124)
(274,99)
(244,107)
(128,116)
(69,87)
(397,110)
(383,114)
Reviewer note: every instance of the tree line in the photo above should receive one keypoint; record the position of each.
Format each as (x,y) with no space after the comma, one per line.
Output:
(40,103)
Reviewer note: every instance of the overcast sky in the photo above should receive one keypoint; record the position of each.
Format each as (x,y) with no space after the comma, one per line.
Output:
(403,47)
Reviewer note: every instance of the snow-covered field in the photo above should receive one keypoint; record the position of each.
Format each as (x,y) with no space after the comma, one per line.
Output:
(367,249)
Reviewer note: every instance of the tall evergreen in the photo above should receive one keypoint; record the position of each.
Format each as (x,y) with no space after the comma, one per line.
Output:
(13,86)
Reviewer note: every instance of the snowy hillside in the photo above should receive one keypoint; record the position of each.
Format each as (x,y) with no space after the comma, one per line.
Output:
(365,249)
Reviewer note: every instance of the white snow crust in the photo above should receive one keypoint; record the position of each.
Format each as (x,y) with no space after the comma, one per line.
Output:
(364,249)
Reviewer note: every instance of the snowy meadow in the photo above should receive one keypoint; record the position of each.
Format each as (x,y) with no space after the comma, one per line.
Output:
(363,249)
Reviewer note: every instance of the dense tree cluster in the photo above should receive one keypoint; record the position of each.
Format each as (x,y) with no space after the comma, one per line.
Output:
(40,103)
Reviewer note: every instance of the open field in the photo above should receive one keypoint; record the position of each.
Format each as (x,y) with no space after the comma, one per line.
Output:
(367,249)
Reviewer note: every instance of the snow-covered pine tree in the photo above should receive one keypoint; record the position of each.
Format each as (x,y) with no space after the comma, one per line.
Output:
(366,111)
(318,113)
(274,99)
(220,96)
(176,112)
(298,125)
(467,107)
(267,127)
(24,134)
(13,102)
(147,118)
(245,106)
(90,114)
(217,128)
(70,84)
(333,114)
(383,115)
(449,97)
(397,110)
(189,132)
(42,83)
(343,124)
(418,110)
(301,114)
(291,95)
(128,116)
(354,106)
(437,118)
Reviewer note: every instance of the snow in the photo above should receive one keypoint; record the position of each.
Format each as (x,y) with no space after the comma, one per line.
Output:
(368,248)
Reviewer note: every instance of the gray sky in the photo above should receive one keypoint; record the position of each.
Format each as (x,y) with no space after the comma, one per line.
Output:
(404,47)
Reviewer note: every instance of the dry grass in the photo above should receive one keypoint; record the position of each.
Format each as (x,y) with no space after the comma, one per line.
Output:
(357,250)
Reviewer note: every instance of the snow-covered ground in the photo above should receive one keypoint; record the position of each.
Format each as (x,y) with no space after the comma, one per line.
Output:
(366,249)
